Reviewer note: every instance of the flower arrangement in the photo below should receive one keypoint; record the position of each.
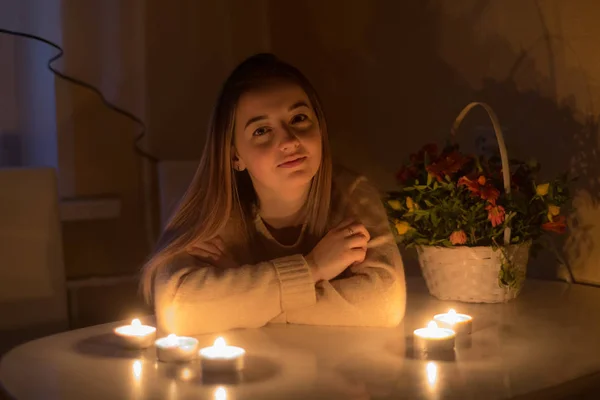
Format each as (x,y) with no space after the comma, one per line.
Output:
(452,199)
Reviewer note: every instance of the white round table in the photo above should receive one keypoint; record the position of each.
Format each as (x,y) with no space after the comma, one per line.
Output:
(543,345)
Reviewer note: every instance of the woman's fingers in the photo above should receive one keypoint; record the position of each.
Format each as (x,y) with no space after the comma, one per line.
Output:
(359,255)
(357,241)
(354,229)
(210,247)
(218,242)
(203,254)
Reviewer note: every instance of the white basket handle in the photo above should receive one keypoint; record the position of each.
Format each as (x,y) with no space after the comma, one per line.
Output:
(501,146)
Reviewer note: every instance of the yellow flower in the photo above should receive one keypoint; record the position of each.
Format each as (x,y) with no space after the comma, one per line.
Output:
(554,210)
(395,204)
(402,227)
(542,189)
(410,204)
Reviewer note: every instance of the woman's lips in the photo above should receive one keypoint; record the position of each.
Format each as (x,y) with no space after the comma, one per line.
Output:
(292,163)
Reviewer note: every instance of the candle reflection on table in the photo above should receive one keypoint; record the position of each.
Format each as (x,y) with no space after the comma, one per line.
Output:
(186,374)
(432,374)
(137,369)
(220,393)
(172,390)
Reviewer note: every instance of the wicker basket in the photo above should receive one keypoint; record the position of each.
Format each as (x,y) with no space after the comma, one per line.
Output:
(471,274)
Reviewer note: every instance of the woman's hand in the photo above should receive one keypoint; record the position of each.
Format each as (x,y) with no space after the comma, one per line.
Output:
(212,252)
(341,247)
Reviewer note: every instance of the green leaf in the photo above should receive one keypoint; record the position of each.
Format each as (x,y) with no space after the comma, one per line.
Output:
(422,213)
(435,220)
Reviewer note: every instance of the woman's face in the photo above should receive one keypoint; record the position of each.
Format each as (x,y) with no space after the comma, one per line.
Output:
(277,138)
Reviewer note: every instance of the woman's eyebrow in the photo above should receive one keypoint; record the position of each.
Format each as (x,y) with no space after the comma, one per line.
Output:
(255,119)
(297,104)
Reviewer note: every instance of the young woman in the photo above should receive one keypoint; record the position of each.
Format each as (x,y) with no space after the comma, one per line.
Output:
(268,231)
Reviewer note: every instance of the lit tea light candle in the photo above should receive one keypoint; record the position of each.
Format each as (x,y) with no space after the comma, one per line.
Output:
(136,335)
(434,339)
(222,358)
(459,323)
(175,348)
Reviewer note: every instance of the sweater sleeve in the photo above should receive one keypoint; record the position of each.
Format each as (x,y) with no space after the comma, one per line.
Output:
(193,298)
(372,293)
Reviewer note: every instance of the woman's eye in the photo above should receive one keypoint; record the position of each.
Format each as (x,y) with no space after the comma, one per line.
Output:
(299,118)
(260,131)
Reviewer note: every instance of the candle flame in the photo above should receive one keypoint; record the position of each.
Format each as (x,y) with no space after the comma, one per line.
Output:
(219,343)
(171,340)
(220,393)
(136,322)
(452,311)
(432,325)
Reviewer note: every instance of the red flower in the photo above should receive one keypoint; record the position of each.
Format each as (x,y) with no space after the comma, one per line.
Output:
(471,185)
(490,193)
(495,214)
(558,225)
(430,149)
(407,173)
(486,191)
(447,164)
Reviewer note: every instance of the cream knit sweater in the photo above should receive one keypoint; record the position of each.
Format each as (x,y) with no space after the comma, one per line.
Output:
(192,298)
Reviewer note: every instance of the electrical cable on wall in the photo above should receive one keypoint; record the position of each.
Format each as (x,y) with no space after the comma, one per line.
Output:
(86,85)
(148,209)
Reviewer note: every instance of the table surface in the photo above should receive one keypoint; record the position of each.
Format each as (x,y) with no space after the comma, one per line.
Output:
(545,344)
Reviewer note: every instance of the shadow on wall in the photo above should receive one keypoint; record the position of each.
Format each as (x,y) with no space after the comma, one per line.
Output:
(537,124)
(387,89)
(374,64)
(540,128)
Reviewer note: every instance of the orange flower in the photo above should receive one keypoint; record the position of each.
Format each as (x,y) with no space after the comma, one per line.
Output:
(482,180)
(495,214)
(558,225)
(458,237)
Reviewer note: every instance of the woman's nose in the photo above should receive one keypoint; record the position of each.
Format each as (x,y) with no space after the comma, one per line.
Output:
(288,140)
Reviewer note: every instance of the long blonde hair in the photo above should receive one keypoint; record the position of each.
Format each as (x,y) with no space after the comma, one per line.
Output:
(217,192)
